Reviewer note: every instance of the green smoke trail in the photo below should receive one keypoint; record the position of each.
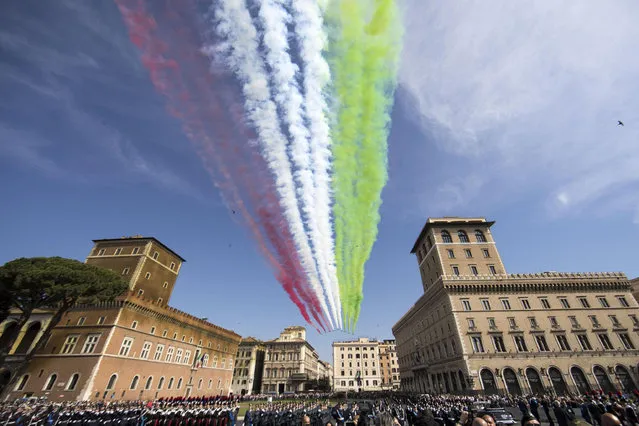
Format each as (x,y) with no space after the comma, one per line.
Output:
(365,58)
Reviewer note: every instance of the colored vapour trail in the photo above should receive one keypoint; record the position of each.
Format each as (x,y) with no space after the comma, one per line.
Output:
(364,53)
(208,110)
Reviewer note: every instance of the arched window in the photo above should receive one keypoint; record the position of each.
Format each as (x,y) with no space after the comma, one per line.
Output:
(179,384)
(199,384)
(534,381)
(170,386)
(463,237)
(557,380)
(210,383)
(134,382)
(9,332)
(149,383)
(111,382)
(602,378)
(215,361)
(28,338)
(580,380)
(160,382)
(50,382)
(512,382)
(219,383)
(205,360)
(626,380)
(22,383)
(73,382)
(479,236)
(430,242)
(446,237)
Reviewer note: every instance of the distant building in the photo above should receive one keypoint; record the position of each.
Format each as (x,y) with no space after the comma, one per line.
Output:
(477,328)
(325,372)
(134,347)
(290,362)
(249,367)
(388,365)
(356,365)
(635,288)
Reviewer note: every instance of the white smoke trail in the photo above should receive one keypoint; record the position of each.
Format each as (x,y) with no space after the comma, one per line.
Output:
(274,18)
(242,52)
(312,41)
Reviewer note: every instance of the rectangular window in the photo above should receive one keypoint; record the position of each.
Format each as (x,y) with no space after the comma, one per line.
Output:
(473,270)
(172,266)
(486,253)
(573,321)
(468,253)
(147,275)
(485,303)
(634,319)
(471,323)
(81,320)
(544,303)
(136,250)
(604,302)
(126,346)
(562,340)
(69,344)
(478,346)
(512,323)
(169,354)
(491,323)
(614,320)
(564,303)
(520,343)
(525,304)
(158,352)
(623,302)
(466,305)
(178,356)
(553,322)
(90,343)
(187,358)
(146,348)
(451,254)
(101,320)
(584,342)
(455,270)
(118,251)
(492,269)
(533,322)
(594,321)
(134,325)
(605,342)
(156,255)
(125,271)
(506,304)
(584,302)
(101,252)
(541,343)
(498,342)
(625,339)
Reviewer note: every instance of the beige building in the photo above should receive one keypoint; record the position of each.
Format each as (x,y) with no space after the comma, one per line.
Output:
(356,365)
(290,362)
(388,365)
(479,328)
(249,367)
(134,347)
(635,288)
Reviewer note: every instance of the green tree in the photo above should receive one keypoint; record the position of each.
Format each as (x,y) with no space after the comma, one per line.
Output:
(55,283)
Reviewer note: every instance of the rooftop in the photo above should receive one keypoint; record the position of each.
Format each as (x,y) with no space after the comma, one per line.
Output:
(140,237)
(449,221)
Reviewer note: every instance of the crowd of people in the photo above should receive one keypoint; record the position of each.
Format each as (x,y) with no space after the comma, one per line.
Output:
(359,409)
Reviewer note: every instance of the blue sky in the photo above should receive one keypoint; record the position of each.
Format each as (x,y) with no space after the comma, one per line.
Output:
(504,112)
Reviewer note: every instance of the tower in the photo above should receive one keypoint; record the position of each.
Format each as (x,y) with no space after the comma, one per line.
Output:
(453,246)
(150,267)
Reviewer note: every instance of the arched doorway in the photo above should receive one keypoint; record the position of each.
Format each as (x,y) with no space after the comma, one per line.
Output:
(557,380)
(29,337)
(512,383)
(10,331)
(488,381)
(580,380)
(602,378)
(536,386)
(624,377)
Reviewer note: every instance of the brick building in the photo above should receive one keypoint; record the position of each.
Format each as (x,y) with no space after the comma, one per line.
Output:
(477,328)
(134,347)
(388,364)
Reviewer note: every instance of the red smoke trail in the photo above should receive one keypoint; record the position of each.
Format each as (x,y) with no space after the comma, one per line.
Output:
(170,80)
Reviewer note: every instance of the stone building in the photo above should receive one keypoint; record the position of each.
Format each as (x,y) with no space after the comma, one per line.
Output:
(249,367)
(635,288)
(478,328)
(388,365)
(134,347)
(290,362)
(356,365)
(325,371)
